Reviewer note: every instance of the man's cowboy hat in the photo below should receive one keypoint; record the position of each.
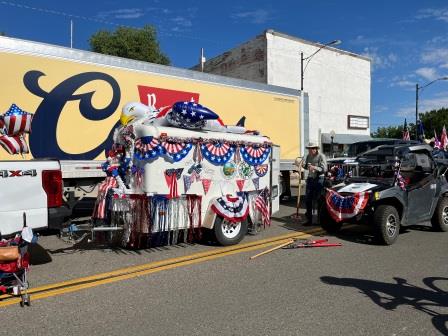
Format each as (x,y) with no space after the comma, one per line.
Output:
(312,145)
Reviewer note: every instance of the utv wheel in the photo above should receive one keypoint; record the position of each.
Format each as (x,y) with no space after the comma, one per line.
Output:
(228,233)
(387,224)
(439,220)
(327,222)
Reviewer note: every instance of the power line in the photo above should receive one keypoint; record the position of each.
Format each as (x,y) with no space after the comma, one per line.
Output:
(96,20)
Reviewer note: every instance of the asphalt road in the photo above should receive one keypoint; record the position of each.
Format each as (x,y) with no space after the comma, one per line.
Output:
(357,289)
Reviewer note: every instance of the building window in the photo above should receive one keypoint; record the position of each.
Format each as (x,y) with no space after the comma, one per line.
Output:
(357,122)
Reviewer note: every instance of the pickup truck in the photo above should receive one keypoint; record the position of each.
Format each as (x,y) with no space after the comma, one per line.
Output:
(45,190)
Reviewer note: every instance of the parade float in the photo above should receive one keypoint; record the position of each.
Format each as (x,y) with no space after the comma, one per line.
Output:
(174,174)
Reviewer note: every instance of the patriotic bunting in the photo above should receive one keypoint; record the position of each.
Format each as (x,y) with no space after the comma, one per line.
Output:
(206,185)
(147,148)
(177,150)
(217,153)
(261,170)
(343,207)
(255,154)
(234,209)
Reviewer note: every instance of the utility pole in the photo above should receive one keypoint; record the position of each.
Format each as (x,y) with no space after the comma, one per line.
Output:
(71,33)
(202,60)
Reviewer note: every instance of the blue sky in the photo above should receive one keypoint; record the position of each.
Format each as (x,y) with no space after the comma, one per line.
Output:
(406,39)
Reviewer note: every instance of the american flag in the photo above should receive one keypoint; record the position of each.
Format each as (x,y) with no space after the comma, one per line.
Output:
(100,207)
(406,135)
(436,141)
(262,204)
(399,181)
(14,144)
(17,121)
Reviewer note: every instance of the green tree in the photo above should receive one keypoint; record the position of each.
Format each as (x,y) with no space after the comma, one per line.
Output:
(137,44)
(2,33)
(434,120)
(393,132)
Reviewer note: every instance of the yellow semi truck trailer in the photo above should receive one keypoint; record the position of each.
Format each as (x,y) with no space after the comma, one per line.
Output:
(76,98)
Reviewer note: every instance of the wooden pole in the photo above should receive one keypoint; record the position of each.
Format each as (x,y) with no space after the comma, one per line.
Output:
(272,249)
(299,189)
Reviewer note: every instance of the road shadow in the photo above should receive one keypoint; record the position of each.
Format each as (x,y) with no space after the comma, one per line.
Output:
(390,296)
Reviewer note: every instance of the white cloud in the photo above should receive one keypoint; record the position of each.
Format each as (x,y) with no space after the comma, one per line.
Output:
(423,106)
(379,61)
(258,16)
(182,21)
(427,73)
(124,13)
(433,13)
(403,83)
(435,56)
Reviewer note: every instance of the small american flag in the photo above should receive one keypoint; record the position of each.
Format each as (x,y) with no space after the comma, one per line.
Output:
(17,121)
(399,181)
(262,204)
(14,144)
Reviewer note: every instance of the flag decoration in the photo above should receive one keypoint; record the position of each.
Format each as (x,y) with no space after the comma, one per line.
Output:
(17,121)
(399,180)
(261,170)
(190,115)
(343,207)
(206,184)
(437,144)
(240,184)
(147,148)
(233,208)
(255,154)
(177,150)
(14,144)
(262,205)
(443,139)
(99,209)
(171,177)
(406,135)
(217,153)
(256,182)
(187,182)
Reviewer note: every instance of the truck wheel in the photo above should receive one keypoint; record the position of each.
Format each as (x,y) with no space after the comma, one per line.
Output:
(327,222)
(228,233)
(439,220)
(386,222)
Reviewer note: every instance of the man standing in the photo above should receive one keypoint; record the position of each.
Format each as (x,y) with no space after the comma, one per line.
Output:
(316,164)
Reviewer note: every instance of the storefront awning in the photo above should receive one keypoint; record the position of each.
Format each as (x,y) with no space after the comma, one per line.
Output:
(344,139)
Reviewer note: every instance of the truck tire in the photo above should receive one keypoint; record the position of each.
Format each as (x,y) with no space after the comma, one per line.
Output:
(228,233)
(439,220)
(386,223)
(327,222)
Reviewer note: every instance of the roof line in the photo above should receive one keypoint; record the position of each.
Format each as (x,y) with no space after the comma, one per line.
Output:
(316,44)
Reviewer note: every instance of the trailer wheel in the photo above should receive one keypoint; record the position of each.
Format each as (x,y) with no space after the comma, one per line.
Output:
(229,233)
(386,223)
(439,220)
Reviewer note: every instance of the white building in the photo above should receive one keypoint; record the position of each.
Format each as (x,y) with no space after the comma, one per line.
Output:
(336,82)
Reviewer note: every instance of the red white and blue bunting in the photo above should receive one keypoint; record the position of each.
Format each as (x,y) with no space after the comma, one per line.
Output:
(234,209)
(218,153)
(177,150)
(255,154)
(344,207)
(147,148)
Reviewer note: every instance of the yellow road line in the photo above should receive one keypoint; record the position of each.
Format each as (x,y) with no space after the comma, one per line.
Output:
(153,267)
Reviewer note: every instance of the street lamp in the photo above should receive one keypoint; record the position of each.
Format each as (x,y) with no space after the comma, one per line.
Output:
(332,135)
(302,70)
(417,88)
